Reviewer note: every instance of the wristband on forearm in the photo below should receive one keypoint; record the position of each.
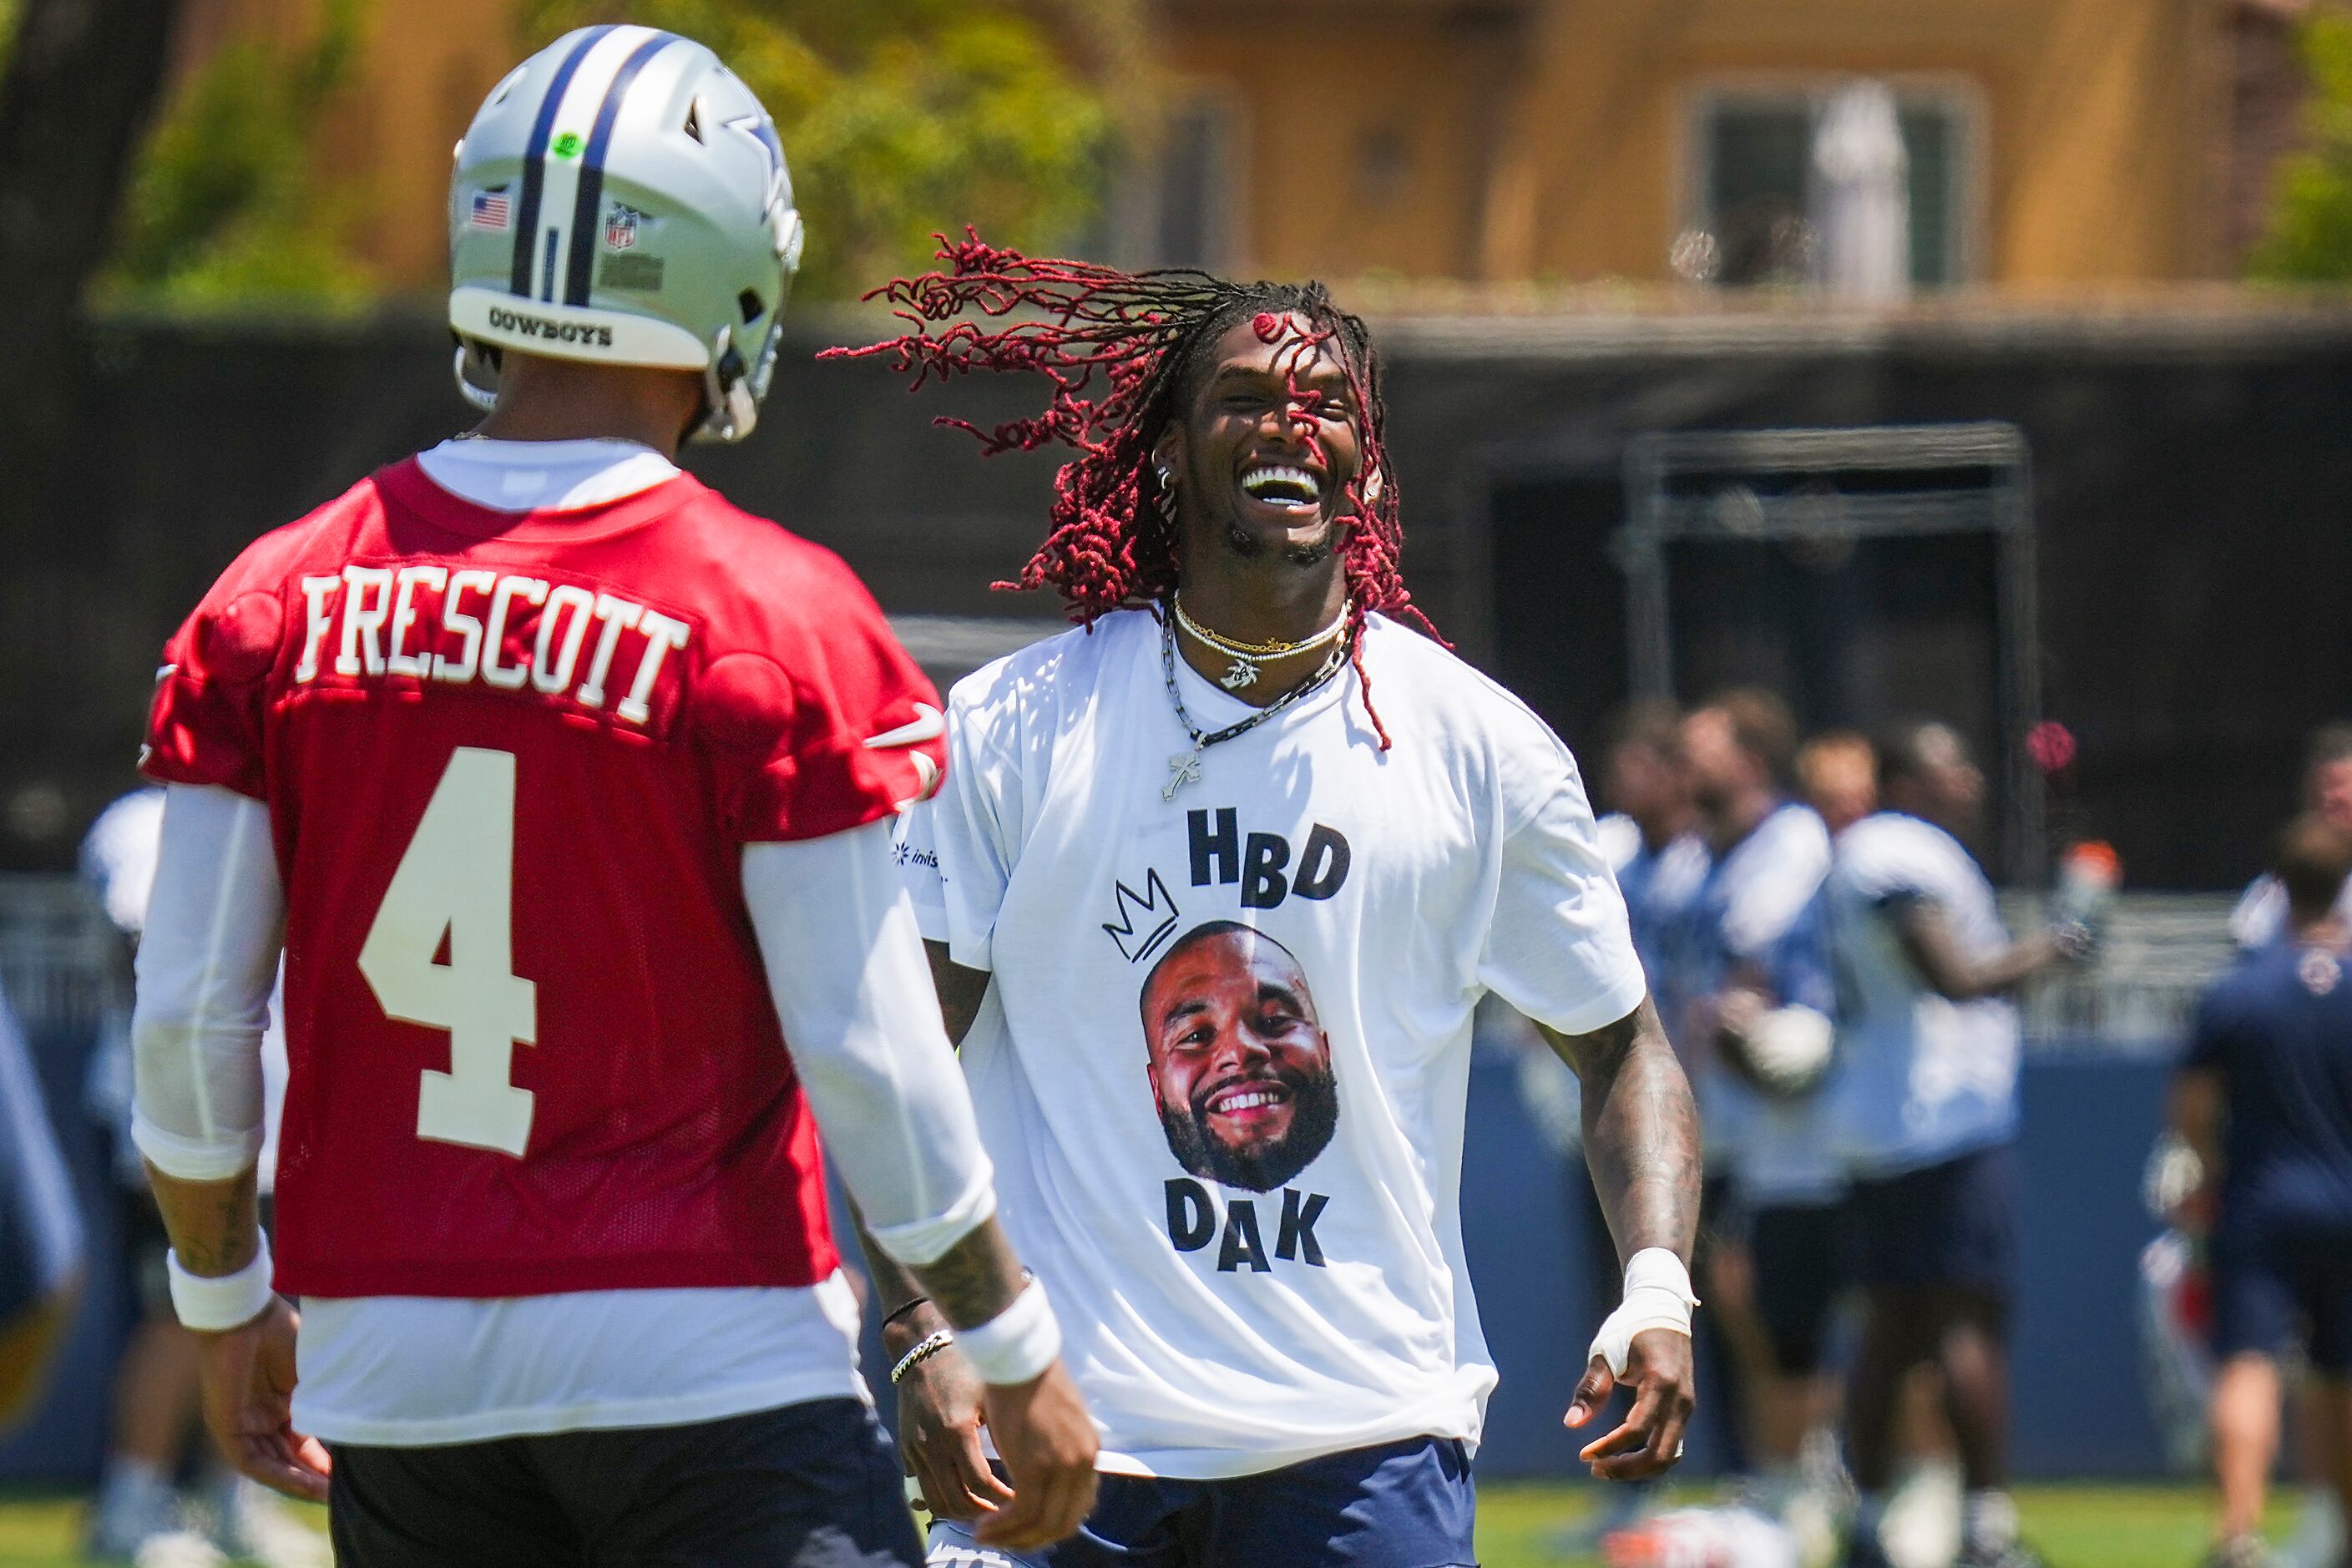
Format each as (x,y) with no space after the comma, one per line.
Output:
(1657,1295)
(214,1304)
(1018,1343)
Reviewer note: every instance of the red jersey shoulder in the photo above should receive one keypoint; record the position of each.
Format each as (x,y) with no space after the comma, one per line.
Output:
(803,665)
(237,630)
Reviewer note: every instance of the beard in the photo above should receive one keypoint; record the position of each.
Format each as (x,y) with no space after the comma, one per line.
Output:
(1249,547)
(1259,1167)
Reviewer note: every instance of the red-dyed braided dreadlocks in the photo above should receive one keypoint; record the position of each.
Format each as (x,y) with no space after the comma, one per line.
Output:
(1144,335)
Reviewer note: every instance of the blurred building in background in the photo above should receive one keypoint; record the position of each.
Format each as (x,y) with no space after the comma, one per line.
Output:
(2047,142)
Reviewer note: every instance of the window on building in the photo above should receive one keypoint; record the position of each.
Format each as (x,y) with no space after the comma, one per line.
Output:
(1194,218)
(1753,152)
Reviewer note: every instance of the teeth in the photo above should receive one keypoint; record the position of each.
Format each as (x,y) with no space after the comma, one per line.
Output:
(1295,483)
(1250,1101)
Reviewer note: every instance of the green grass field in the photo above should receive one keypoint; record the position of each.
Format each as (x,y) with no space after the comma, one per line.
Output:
(2076,1527)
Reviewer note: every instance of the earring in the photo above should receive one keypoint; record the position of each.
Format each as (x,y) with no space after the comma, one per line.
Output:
(1167,479)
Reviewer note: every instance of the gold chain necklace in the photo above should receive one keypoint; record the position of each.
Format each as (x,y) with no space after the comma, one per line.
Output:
(1246,656)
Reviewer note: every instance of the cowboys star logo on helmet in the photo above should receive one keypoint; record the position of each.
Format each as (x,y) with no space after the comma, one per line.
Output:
(613,138)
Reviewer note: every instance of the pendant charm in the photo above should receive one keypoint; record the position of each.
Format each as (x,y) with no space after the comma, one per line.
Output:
(1242,674)
(1186,766)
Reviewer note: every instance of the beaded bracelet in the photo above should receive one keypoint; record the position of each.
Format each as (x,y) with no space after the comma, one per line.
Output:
(925,1348)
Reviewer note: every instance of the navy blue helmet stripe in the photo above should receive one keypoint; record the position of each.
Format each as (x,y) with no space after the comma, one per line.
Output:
(591,197)
(534,155)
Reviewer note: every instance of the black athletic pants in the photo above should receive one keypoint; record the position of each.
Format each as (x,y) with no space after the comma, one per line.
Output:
(807,1486)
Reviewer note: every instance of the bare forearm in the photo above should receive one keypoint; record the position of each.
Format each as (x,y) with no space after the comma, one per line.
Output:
(215,1226)
(974,1280)
(894,1286)
(966,1286)
(1927,939)
(1641,1131)
(2196,1115)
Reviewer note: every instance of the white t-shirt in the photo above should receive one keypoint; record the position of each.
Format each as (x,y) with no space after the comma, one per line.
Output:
(1921,1079)
(1743,914)
(1287,955)
(2260,917)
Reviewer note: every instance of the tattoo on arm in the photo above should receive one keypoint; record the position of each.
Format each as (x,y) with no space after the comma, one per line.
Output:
(1641,1131)
(893,1285)
(215,1226)
(974,1280)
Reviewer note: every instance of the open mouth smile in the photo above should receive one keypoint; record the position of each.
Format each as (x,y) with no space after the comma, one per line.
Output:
(1283,487)
(1248,1099)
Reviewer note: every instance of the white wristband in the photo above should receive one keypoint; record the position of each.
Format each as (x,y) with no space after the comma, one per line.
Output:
(212,1305)
(1657,1295)
(1018,1343)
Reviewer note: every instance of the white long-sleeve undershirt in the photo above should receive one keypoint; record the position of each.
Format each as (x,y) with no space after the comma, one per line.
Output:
(838,936)
(858,1017)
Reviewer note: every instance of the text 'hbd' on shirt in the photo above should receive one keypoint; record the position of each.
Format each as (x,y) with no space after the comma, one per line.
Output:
(1251,1116)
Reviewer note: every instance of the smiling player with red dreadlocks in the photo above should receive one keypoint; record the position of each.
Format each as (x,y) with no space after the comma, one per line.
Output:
(1246,807)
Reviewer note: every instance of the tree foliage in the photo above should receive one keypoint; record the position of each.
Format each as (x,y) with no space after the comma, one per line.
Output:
(228,203)
(2309,236)
(900,118)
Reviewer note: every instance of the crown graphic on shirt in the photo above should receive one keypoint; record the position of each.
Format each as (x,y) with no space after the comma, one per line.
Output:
(1155,906)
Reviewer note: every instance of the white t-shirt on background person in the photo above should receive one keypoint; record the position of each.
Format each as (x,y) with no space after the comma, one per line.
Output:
(1922,1079)
(1286,956)
(1747,906)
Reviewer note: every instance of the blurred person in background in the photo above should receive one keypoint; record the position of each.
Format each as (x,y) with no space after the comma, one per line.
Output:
(158,1404)
(2261,916)
(2263,1098)
(2258,921)
(1837,776)
(1927,1115)
(1776,1274)
(41,1231)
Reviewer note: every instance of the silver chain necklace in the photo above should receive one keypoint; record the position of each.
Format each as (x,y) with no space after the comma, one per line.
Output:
(1186,766)
(1248,655)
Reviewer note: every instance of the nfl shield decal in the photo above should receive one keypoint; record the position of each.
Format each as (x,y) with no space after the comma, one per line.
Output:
(621,227)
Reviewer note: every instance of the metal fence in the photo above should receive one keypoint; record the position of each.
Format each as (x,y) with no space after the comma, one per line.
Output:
(59,967)
(59,964)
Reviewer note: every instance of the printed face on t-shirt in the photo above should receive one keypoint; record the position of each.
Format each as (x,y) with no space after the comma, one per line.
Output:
(1240,1066)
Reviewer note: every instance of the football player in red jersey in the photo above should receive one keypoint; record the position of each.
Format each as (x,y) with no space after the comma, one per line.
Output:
(569,786)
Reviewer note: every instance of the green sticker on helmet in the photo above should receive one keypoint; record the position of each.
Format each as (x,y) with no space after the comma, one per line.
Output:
(568,145)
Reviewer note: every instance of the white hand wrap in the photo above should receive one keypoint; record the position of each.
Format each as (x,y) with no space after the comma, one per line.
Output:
(1018,1343)
(212,1305)
(1657,1295)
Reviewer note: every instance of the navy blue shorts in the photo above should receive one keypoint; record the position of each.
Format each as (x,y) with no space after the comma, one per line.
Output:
(1952,1225)
(1401,1505)
(814,1485)
(1797,1254)
(2278,1284)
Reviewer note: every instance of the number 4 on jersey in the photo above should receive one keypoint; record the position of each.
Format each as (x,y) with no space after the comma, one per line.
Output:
(457,876)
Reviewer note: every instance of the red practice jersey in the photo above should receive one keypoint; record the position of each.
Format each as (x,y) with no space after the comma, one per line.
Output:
(510,762)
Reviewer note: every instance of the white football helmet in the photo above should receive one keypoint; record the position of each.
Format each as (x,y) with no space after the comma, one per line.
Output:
(621,198)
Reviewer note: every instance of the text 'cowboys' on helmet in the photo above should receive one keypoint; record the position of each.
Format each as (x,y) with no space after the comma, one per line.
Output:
(621,198)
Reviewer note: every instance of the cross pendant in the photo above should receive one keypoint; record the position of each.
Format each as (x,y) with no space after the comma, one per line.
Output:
(1186,766)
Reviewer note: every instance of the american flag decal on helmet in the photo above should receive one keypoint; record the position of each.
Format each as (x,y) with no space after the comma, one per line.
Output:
(492,210)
